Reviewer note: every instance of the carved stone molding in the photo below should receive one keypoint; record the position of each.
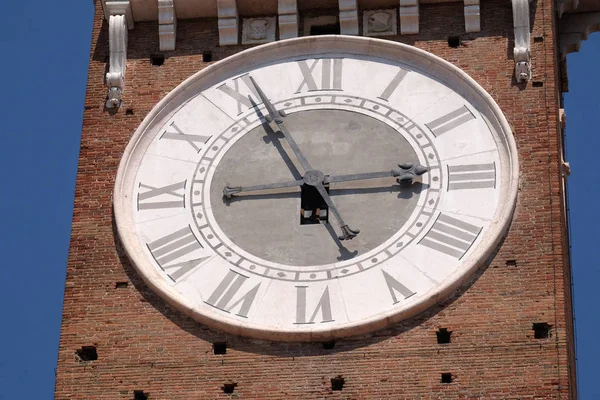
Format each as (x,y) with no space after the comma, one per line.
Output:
(472,16)
(167,25)
(120,20)
(409,17)
(121,7)
(574,28)
(288,18)
(380,22)
(522,52)
(228,22)
(258,30)
(348,17)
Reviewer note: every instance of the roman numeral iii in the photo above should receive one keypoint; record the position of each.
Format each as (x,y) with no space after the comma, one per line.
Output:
(330,74)
(450,121)
(170,196)
(169,249)
(474,176)
(451,236)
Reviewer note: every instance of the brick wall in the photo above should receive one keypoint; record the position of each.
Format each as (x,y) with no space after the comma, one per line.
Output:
(144,344)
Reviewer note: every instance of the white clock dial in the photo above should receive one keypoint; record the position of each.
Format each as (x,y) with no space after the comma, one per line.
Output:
(316,188)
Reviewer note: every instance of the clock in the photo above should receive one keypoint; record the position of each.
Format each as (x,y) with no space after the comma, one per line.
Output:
(316,188)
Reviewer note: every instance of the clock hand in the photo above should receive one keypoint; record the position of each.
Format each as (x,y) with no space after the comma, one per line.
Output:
(347,233)
(229,191)
(406,172)
(278,118)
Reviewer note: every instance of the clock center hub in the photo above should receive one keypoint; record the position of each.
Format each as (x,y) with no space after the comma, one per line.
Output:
(313,177)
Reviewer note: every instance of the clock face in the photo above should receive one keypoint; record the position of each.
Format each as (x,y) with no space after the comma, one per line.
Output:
(316,188)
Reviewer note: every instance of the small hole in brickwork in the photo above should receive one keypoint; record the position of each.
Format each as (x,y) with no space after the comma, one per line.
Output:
(538,39)
(229,387)
(220,347)
(541,330)
(140,395)
(537,84)
(337,383)
(87,353)
(446,377)
(329,345)
(333,29)
(206,56)
(129,111)
(121,285)
(157,59)
(454,41)
(511,263)
(443,335)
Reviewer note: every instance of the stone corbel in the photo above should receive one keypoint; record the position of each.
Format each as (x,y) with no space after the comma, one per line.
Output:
(288,18)
(522,48)
(167,25)
(348,17)
(409,17)
(229,22)
(120,20)
(472,16)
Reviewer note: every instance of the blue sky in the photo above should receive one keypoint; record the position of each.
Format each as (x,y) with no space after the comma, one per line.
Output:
(45,47)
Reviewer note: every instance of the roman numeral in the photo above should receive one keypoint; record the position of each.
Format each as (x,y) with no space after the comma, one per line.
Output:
(450,121)
(324,305)
(391,88)
(474,176)
(451,236)
(169,192)
(222,297)
(396,287)
(174,133)
(173,247)
(235,93)
(331,74)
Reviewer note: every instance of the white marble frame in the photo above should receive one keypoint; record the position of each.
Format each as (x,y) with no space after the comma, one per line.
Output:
(316,47)
(167,25)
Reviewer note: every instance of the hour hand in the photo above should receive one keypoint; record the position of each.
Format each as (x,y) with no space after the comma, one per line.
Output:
(405,172)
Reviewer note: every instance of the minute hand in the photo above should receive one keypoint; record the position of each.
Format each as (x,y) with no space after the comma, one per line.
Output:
(277,117)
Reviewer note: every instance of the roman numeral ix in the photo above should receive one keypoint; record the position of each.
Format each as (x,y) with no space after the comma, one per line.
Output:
(451,236)
(169,196)
(474,176)
(170,248)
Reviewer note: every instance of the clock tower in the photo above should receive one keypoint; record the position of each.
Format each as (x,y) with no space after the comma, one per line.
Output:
(333,199)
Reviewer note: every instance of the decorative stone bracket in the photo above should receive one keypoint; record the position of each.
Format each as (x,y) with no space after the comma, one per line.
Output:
(228,22)
(288,18)
(348,17)
(472,16)
(522,48)
(120,20)
(167,25)
(409,17)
